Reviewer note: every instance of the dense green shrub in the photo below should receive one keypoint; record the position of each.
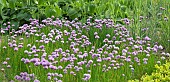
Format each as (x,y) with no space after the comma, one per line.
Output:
(19,10)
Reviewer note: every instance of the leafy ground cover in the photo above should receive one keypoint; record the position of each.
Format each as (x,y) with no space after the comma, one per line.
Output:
(98,50)
(160,75)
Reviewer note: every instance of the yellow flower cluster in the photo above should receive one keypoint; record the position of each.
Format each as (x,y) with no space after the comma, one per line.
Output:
(162,74)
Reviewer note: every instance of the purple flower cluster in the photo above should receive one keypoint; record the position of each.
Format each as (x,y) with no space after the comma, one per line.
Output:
(54,76)
(6,64)
(86,77)
(24,76)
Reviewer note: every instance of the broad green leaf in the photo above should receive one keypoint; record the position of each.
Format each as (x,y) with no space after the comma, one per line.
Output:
(16,23)
(49,11)
(3,2)
(92,8)
(35,15)
(86,8)
(72,13)
(5,17)
(58,11)
(107,14)
(14,17)
(28,16)
(1,7)
(12,3)
(21,15)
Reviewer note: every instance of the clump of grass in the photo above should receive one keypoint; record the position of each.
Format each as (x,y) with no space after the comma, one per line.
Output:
(61,50)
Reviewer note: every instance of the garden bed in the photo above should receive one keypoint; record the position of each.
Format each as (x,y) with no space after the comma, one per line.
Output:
(84,40)
(78,52)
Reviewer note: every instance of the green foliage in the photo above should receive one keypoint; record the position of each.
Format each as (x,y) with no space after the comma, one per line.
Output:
(19,12)
(162,74)
(22,10)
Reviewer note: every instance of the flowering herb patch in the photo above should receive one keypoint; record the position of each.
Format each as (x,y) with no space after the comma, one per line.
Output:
(68,51)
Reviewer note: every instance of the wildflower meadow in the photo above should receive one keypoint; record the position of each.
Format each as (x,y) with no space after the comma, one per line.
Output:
(63,45)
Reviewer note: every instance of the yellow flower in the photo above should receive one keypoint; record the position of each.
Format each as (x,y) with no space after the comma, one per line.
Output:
(162,74)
